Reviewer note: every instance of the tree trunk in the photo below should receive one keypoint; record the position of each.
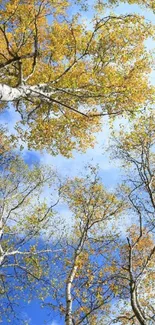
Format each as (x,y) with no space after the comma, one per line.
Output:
(133,294)
(68,317)
(1,248)
(8,94)
(135,307)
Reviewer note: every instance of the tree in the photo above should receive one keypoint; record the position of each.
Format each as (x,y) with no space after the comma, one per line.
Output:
(81,293)
(133,276)
(98,268)
(62,77)
(137,257)
(25,218)
(135,148)
(141,258)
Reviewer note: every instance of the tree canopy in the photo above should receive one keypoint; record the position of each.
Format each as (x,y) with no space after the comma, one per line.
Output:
(61,76)
(84,250)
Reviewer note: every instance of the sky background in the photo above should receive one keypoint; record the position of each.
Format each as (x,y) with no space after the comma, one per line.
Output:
(109,170)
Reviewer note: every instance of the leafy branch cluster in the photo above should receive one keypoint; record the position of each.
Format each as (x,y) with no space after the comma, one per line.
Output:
(62,78)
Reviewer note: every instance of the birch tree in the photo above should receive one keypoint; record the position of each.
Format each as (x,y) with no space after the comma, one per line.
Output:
(133,276)
(82,292)
(62,77)
(25,218)
(135,149)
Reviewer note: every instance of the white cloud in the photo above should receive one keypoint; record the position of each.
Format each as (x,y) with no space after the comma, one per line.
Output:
(73,166)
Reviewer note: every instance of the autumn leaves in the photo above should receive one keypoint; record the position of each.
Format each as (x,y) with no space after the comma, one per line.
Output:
(58,74)
(62,78)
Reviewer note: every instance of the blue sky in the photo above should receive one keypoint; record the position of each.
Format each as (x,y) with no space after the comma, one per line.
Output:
(108,169)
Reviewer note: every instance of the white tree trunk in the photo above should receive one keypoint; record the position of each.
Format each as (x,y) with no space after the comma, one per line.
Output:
(69,282)
(69,296)
(8,93)
(1,248)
